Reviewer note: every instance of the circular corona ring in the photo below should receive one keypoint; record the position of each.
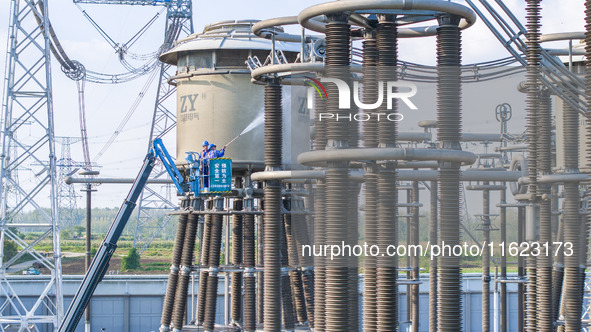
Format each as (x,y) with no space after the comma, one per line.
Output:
(468,16)
(259,29)
(318,158)
(291,68)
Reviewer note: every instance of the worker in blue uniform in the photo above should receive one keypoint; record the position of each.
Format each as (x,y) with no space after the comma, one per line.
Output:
(204,156)
(205,149)
(214,153)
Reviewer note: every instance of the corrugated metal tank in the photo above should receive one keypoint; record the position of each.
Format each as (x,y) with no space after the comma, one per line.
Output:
(216,99)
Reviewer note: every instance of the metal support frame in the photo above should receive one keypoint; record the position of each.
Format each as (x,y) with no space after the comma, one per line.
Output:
(511,33)
(28,154)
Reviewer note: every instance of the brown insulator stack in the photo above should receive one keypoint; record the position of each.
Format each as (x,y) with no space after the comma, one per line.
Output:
(370,140)
(203,274)
(174,273)
(319,219)
(237,236)
(286,261)
(293,222)
(433,238)
(533,86)
(449,129)
(214,263)
(338,51)
(387,220)
(249,276)
(544,303)
(272,219)
(180,298)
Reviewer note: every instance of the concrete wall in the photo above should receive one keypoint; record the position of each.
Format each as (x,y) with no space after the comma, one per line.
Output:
(133,303)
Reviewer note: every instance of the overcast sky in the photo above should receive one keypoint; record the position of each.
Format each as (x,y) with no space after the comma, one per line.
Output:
(106,105)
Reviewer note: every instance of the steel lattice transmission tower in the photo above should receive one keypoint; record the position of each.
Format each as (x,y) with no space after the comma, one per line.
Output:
(67,196)
(28,167)
(179,22)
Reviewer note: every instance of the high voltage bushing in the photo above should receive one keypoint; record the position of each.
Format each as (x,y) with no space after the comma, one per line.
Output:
(307,271)
(448,133)
(298,295)
(260,260)
(249,277)
(337,288)
(290,222)
(387,200)
(272,265)
(558,273)
(533,93)
(272,208)
(433,237)
(319,261)
(370,315)
(174,274)
(320,126)
(533,85)
(352,232)
(180,298)
(273,124)
(308,276)
(320,141)
(237,234)
(520,270)
(572,279)
(214,263)
(544,301)
(587,221)
(370,140)
(286,290)
(370,86)
(203,274)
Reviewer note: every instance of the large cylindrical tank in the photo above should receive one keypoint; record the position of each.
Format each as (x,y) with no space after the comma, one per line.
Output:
(216,99)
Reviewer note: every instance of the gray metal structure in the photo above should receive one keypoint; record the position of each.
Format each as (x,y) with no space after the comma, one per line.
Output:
(28,107)
(323,295)
(154,199)
(179,23)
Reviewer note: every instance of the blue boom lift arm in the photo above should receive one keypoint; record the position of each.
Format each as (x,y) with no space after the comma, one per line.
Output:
(101,260)
(177,178)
